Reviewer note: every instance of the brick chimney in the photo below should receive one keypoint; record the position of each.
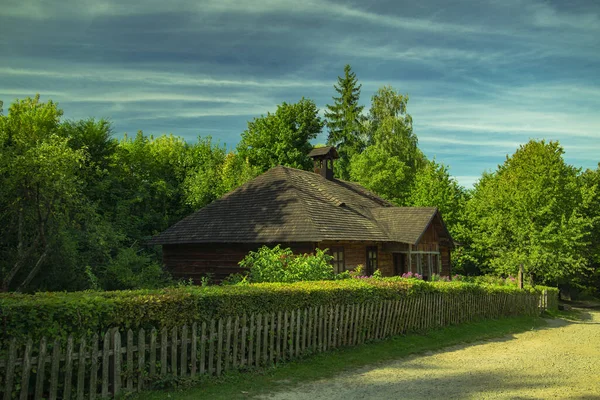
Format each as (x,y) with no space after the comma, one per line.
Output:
(323,161)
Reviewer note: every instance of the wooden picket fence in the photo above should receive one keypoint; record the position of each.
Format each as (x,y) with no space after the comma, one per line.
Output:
(118,362)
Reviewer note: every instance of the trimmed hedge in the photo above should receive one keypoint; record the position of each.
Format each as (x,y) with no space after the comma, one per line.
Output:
(59,314)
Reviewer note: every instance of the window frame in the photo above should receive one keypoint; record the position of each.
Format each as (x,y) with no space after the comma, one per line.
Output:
(370,269)
(339,265)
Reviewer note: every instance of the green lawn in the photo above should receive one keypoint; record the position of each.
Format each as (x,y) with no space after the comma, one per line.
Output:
(240,385)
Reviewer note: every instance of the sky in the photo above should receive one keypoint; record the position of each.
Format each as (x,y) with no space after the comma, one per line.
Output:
(482,77)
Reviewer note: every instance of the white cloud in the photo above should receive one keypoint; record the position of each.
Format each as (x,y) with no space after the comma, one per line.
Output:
(115,74)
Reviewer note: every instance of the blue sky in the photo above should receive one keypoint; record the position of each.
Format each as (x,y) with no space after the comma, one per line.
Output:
(482,77)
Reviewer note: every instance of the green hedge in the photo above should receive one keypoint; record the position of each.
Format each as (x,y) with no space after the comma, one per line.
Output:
(60,314)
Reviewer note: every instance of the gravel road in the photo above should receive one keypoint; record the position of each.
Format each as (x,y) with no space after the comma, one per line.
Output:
(561,361)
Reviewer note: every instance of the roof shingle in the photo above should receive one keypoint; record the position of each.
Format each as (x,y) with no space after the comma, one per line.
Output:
(290,205)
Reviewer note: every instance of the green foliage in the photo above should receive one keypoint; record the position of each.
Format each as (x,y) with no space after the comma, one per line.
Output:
(282,265)
(392,158)
(344,120)
(282,138)
(58,314)
(434,187)
(40,189)
(132,269)
(528,212)
(381,172)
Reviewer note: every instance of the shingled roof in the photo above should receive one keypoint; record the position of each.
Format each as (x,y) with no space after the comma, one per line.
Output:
(290,205)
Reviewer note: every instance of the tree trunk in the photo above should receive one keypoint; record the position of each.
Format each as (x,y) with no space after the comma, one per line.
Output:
(35,270)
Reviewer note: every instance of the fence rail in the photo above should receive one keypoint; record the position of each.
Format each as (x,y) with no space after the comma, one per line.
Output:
(117,362)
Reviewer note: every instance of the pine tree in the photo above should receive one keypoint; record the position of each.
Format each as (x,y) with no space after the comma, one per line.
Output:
(344,120)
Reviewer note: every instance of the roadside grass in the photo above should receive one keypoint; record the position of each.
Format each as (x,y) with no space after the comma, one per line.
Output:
(242,385)
(568,315)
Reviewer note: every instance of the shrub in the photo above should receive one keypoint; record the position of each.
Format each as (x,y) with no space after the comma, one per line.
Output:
(487,280)
(60,314)
(410,275)
(439,278)
(282,265)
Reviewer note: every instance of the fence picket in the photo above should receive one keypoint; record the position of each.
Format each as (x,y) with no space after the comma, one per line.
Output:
(25,370)
(272,339)
(53,370)
(211,347)
(228,344)
(141,359)
(105,363)
(220,348)
(343,324)
(203,348)
(265,341)
(183,358)
(258,336)
(130,366)
(194,350)
(117,362)
(236,344)
(285,336)
(41,370)
(336,317)
(152,361)
(68,369)
(10,369)
(174,351)
(298,333)
(315,340)
(93,367)
(304,331)
(251,342)
(81,368)
(243,341)
(279,332)
(163,351)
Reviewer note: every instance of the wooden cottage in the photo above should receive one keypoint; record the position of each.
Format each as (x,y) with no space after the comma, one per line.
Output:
(304,211)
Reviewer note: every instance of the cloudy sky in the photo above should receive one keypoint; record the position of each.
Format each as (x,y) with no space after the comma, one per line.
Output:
(482,78)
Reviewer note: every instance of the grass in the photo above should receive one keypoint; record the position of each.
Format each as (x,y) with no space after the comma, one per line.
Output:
(242,385)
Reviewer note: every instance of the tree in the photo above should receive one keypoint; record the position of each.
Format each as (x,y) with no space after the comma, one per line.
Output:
(344,120)
(590,187)
(434,187)
(202,183)
(390,161)
(528,212)
(391,128)
(282,138)
(40,188)
(382,173)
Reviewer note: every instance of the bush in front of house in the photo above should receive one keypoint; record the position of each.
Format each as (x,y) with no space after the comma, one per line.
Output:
(59,314)
(282,265)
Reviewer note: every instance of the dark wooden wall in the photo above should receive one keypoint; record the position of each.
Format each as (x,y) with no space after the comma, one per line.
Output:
(185,261)
(219,260)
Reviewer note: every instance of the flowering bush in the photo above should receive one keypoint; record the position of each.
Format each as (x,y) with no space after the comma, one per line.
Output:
(439,278)
(358,273)
(410,275)
(282,265)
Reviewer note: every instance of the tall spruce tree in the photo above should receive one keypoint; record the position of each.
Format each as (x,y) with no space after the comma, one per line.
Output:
(344,120)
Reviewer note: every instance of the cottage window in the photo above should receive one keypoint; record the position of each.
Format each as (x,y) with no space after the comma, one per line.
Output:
(339,261)
(371,260)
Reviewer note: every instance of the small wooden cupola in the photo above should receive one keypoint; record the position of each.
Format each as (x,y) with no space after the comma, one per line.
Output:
(323,160)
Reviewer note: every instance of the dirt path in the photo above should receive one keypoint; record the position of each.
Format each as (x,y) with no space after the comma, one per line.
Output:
(559,361)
